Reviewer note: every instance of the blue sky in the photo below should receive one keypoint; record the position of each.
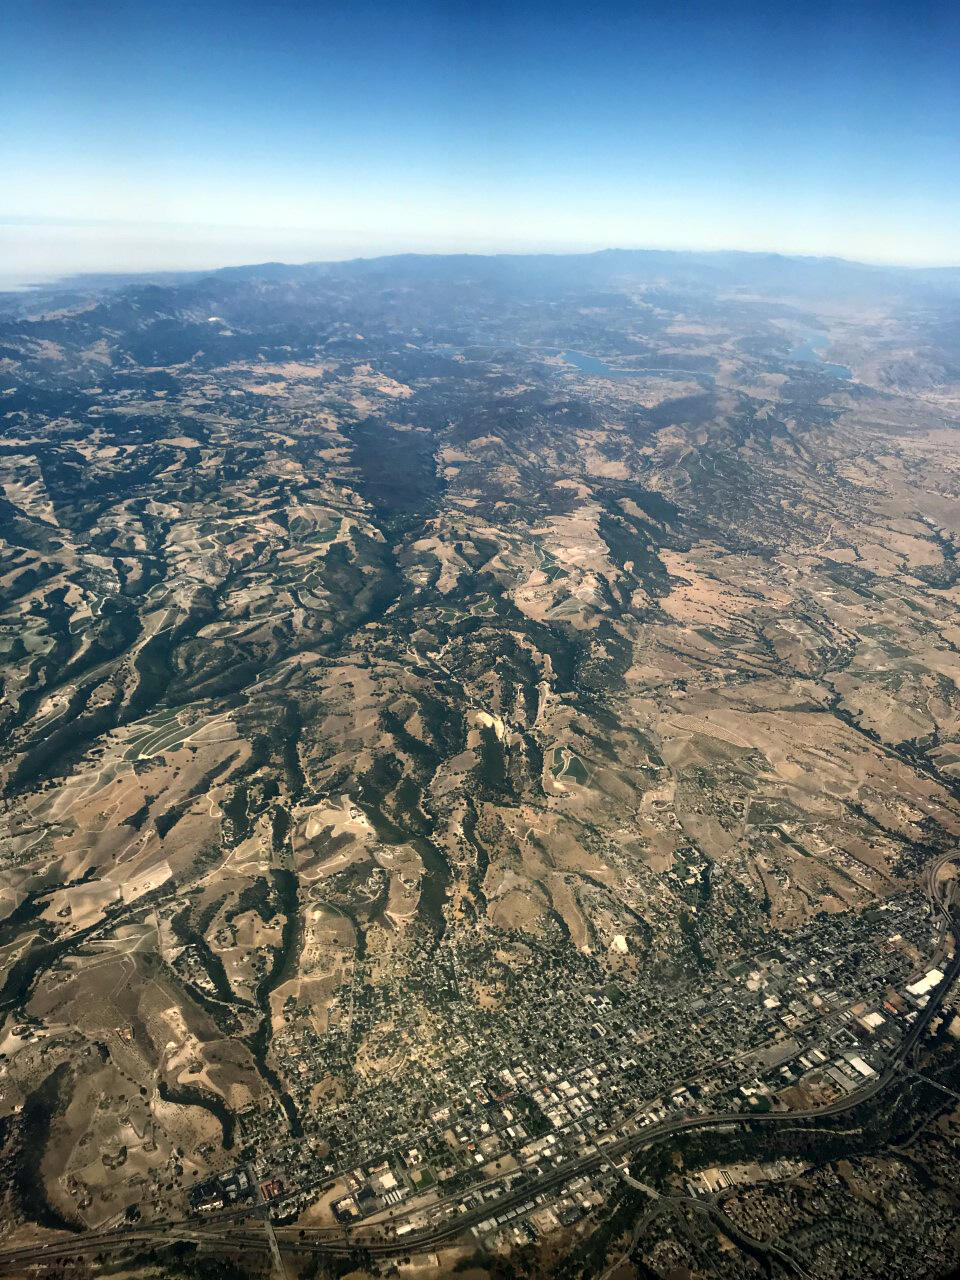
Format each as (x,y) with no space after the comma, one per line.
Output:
(195,134)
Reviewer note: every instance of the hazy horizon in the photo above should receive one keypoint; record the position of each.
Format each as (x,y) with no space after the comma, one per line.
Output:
(61,251)
(191,137)
(479,633)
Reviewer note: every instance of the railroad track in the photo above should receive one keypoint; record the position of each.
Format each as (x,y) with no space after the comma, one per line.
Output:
(218,1233)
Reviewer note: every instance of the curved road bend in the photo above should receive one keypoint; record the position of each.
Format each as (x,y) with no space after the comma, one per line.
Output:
(457,1224)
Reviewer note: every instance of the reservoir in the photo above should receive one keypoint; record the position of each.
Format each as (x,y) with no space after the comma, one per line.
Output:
(599,369)
(808,348)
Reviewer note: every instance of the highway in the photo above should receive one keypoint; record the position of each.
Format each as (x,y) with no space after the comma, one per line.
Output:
(218,1231)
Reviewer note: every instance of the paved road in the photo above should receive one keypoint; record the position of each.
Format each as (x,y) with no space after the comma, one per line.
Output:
(219,1230)
(278,1267)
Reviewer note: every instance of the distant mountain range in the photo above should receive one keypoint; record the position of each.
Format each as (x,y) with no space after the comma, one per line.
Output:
(770,274)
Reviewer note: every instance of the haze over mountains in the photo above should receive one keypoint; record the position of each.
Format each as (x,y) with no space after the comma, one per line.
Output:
(462,714)
(775,273)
